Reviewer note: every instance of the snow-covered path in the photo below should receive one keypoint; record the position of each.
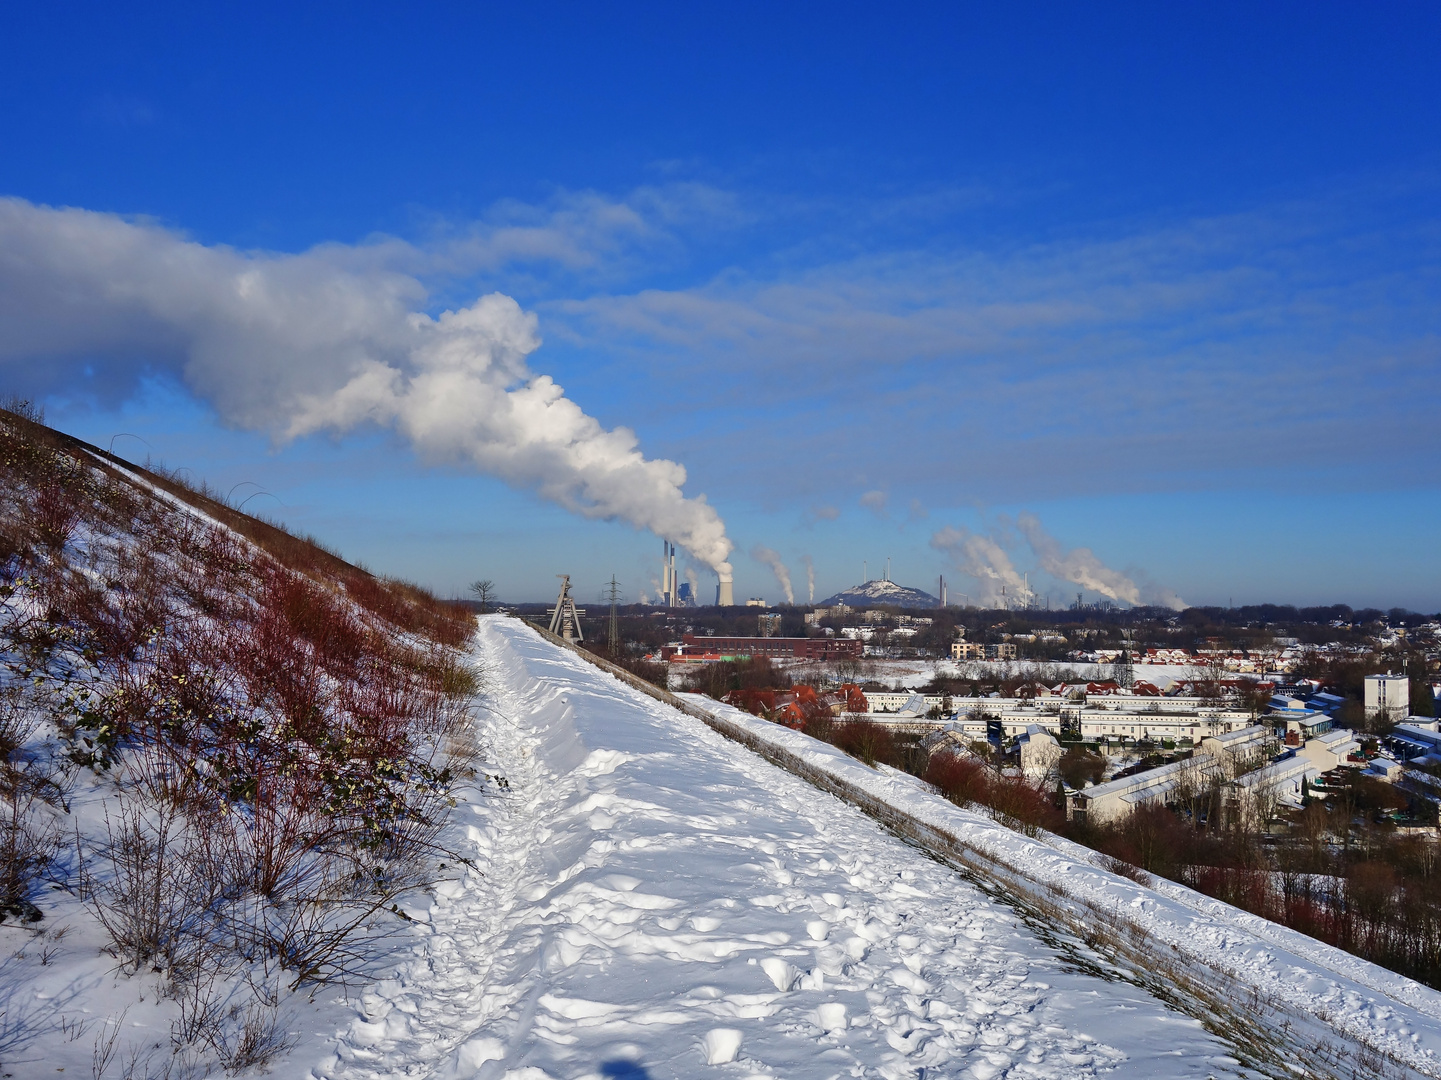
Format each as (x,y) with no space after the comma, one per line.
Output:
(654,902)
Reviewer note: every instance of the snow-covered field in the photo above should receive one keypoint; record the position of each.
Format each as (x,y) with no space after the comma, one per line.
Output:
(656,901)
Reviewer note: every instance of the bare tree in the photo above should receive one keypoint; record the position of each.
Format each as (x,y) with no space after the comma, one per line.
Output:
(484,590)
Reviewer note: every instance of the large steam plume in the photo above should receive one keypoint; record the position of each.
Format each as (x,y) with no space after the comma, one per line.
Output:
(327,340)
(810,578)
(773,560)
(987,560)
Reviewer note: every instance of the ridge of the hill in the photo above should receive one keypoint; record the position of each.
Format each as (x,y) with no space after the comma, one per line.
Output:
(225,754)
(665,904)
(881,592)
(1279,996)
(661,902)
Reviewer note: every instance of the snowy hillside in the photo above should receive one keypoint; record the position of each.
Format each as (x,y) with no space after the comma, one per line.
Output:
(224,756)
(882,592)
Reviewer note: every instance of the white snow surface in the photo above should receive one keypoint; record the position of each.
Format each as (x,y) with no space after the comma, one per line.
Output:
(654,901)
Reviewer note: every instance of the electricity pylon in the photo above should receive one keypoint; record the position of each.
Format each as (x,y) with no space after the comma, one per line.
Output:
(614,617)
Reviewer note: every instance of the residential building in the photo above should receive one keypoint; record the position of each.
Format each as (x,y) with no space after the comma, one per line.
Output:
(1158,726)
(1388,695)
(1416,740)
(1256,796)
(1040,751)
(1304,726)
(1239,750)
(1330,750)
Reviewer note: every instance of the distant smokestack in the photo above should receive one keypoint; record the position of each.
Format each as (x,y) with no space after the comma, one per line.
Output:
(725,594)
(665,573)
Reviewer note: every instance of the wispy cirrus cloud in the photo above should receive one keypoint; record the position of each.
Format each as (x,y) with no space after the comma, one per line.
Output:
(1185,353)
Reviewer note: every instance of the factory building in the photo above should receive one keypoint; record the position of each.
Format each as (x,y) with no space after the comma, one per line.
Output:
(817,648)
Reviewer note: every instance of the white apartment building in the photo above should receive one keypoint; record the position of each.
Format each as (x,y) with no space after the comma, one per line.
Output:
(1040,752)
(1143,703)
(1388,694)
(1112,724)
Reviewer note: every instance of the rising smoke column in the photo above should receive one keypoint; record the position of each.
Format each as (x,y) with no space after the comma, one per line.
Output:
(982,558)
(325,341)
(810,566)
(773,560)
(1080,565)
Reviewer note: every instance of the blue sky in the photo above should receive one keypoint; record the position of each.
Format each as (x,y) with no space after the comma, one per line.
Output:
(1164,278)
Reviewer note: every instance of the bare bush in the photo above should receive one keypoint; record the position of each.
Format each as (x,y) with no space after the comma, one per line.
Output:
(1126,870)
(155,891)
(253,1038)
(28,844)
(102,1053)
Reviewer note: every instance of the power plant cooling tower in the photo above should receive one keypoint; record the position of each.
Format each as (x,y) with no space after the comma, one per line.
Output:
(725,595)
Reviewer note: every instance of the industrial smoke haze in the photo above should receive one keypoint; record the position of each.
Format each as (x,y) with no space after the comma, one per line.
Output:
(325,341)
(773,559)
(986,559)
(982,558)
